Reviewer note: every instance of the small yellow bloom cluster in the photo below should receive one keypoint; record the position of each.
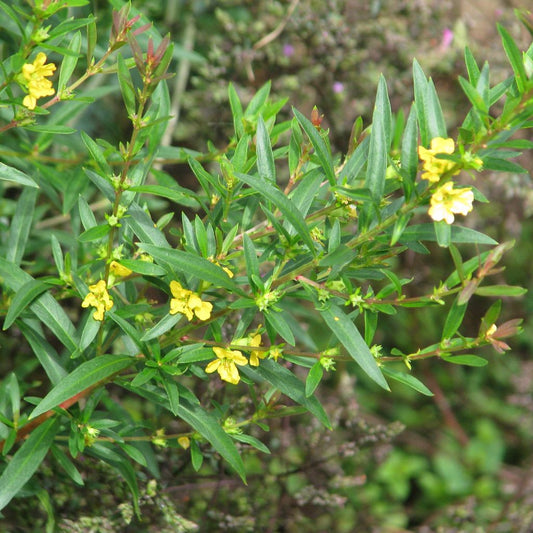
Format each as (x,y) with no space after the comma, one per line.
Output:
(226,363)
(227,360)
(35,75)
(445,200)
(188,303)
(434,167)
(99,298)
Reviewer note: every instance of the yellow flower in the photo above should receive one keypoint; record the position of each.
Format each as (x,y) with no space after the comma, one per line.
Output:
(255,355)
(188,303)
(35,75)
(98,297)
(433,166)
(184,442)
(226,364)
(119,270)
(447,201)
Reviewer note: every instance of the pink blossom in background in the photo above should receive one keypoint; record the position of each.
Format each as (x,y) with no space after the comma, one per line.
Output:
(288,50)
(447,38)
(338,87)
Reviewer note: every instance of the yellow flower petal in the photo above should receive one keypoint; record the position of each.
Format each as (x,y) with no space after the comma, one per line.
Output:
(99,298)
(447,201)
(434,167)
(119,270)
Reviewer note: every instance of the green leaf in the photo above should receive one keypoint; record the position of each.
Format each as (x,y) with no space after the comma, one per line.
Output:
(407,379)
(93,234)
(44,352)
(420,88)
(166,323)
(13,174)
(265,159)
(236,110)
(143,226)
(500,290)
(197,457)
(90,330)
(475,98)
(209,427)
(92,35)
(454,319)
(285,381)
(313,379)
(46,308)
(258,101)
(346,332)
(23,297)
(471,67)
(88,374)
(252,264)
(67,465)
(466,360)
(276,321)
(173,394)
(126,86)
(27,460)
(321,149)
(435,118)
(96,154)
(21,225)
(426,232)
(69,63)
(409,154)
(355,164)
(443,232)
(102,184)
(50,128)
(287,208)
(143,267)
(379,143)
(189,263)
(252,441)
(515,58)
(128,329)
(181,197)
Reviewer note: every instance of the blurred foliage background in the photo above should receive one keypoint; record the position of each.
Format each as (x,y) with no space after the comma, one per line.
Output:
(460,461)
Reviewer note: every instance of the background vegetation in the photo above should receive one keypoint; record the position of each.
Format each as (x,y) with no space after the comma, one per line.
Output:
(460,461)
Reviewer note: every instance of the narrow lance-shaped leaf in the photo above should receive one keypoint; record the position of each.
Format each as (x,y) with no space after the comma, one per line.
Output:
(45,307)
(515,58)
(189,263)
(12,174)
(287,208)
(321,149)
(435,118)
(27,460)
(420,90)
(454,319)
(265,158)
(69,62)
(408,380)
(86,375)
(126,86)
(236,110)
(285,381)
(346,332)
(21,225)
(379,143)
(409,154)
(208,426)
(23,297)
